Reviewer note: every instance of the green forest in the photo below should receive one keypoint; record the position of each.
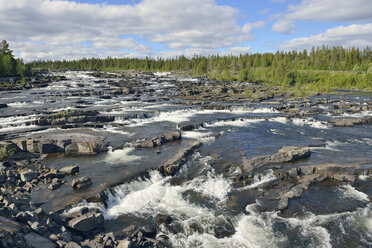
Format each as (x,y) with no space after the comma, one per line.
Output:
(9,66)
(318,70)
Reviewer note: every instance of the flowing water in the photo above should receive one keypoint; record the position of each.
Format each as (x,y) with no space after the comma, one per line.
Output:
(206,208)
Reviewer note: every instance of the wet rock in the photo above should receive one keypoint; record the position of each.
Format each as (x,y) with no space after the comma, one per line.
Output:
(56,183)
(286,154)
(190,127)
(36,241)
(82,182)
(70,170)
(29,175)
(350,122)
(162,219)
(171,167)
(148,231)
(283,203)
(71,144)
(160,140)
(3,105)
(87,222)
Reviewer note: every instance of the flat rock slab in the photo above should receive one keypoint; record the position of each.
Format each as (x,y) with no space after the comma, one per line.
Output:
(286,154)
(36,241)
(9,226)
(69,143)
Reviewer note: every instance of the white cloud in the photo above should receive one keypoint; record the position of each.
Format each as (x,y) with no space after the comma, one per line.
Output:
(357,35)
(324,10)
(65,28)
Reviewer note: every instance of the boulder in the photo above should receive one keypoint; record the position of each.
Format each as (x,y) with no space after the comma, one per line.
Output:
(70,170)
(56,183)
(87,222)
(28,175)
(82,182)
(36,241)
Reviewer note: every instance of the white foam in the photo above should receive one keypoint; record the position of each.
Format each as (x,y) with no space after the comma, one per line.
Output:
(177,116)
(309,122)
(120,156)
(360,114)
(235,123)
(260,179)
(349,191)
(18,104)
(11,128)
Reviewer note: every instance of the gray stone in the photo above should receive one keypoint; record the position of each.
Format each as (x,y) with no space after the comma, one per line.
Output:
(36,241)
(283,203)
(27,176)
(87,222)
(286,154)
(70,170)
(82,182)
(9,226)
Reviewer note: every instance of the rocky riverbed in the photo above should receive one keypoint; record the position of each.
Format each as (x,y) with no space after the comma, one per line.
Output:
(128,159)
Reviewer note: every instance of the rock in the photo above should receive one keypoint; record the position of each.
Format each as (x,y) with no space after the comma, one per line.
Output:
(9,226)
(36,241)
(70,144)
(350,122)
(171,167)
(3,105)
(123,243)
(160,140)
(56,183)
(162,219)
(81,182)
(72,245)
(70,170)
(149,231)
(286,154)
(283,203)
(7,150)
(190,127)
(27,176)
(87,222)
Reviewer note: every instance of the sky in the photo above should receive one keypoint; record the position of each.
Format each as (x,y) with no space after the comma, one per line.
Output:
(74,29)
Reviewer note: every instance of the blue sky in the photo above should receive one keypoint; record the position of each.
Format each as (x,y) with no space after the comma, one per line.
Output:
(51,29)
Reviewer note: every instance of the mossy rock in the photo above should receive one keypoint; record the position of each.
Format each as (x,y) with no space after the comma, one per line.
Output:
(7,150)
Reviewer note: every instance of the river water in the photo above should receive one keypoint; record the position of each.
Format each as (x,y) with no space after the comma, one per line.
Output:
(206,208)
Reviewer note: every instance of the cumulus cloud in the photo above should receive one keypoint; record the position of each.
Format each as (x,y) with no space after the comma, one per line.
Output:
(324,10)
(61,29)
(356,35)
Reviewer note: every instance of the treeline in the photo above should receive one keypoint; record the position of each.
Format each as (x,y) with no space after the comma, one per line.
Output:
(321,68)
(9,66)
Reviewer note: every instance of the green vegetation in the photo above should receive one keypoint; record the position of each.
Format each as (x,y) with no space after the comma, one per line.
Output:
(320,70)
(7,150)
(9,66)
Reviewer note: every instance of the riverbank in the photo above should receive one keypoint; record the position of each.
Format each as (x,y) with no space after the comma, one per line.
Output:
(100,159)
